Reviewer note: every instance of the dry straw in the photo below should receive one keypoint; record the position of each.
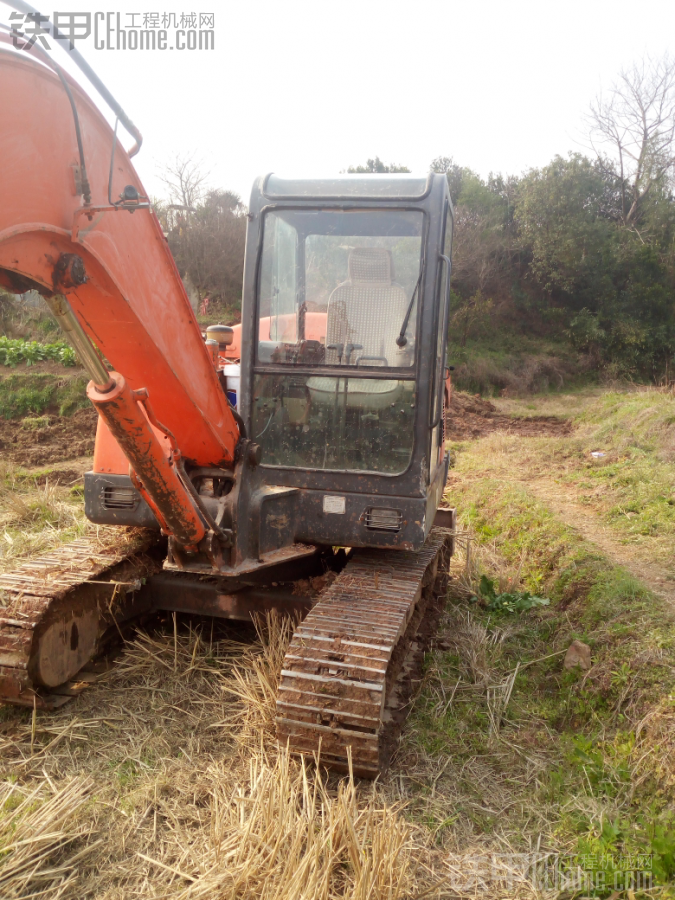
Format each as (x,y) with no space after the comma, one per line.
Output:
(43,838)
(168,783)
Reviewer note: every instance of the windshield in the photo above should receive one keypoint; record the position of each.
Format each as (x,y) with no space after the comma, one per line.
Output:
(339,288)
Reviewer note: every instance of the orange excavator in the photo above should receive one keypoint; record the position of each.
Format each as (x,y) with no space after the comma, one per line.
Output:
(246,461)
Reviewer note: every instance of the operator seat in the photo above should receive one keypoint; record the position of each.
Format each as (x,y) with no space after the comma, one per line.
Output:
(367,310)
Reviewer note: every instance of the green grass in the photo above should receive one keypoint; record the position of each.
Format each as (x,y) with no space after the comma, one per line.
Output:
(511,344)
(34,518)
(221,315)
(637,433)
(35,423)
(35,393)
(632,488)
(584,759)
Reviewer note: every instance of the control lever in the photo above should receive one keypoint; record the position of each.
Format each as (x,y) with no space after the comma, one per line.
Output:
(340,350)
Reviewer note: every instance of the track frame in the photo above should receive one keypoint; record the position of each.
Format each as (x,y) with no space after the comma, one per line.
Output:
(354,662)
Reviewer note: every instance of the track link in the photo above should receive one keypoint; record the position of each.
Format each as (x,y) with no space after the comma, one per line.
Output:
(347,675)
(55,608)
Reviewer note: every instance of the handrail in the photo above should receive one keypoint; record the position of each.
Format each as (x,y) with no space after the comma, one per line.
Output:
(83,65)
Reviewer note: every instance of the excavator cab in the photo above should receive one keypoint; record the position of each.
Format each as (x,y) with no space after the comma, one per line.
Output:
(344,325)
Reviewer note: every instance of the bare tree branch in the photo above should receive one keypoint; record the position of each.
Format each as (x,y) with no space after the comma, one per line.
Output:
(186,181)
(632,132)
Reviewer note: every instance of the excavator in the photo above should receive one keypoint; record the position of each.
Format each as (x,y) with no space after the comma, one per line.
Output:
(244,463)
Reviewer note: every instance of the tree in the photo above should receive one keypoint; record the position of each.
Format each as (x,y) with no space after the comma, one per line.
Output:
(469,314)
(185,181)
(632,131)
(562,222)
(482,236)
(206,231)
(376,166)
(482,241)
(613,288)
(445,165)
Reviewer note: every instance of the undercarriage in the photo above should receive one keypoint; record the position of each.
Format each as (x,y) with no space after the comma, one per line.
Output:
(348,674)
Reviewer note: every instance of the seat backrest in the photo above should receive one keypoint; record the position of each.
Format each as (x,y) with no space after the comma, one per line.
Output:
(367,309)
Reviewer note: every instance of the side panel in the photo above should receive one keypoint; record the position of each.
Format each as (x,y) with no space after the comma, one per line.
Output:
(113,500)
(321,519)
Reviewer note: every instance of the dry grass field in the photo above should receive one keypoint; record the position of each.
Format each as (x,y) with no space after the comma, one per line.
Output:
(163,779)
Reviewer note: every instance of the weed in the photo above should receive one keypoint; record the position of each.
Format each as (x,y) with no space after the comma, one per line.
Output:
(35,423)
(72,395)
(631,488)
(519,367)
(586,755)
(506,601)
(40,508)
(662,845)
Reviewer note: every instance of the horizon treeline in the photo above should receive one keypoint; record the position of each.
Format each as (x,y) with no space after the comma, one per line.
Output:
(549,253)
(580,251)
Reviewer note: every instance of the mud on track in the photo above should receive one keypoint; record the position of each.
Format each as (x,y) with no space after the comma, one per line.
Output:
(470,416)
(56,439)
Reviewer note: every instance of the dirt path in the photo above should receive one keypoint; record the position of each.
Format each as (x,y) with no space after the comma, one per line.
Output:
(472,417)
(590,526)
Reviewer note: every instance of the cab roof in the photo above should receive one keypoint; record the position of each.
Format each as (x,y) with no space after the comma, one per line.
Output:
(337,187)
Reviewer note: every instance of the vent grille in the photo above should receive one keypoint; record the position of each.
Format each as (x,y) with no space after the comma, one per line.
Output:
(379,518)
(119,498)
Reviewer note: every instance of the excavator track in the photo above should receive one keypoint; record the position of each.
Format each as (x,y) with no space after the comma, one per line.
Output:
(348,675)
(54,610)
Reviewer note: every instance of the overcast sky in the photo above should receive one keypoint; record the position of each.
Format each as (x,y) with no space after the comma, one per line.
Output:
(312,87)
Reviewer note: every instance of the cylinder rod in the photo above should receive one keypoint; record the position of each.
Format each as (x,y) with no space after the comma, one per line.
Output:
(84,348)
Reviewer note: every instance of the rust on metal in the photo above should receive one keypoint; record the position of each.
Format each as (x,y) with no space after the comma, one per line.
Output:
(340,681)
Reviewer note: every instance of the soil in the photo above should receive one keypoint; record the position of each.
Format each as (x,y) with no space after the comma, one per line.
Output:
(64,437)
(470,416)
(71,437)
(42,367)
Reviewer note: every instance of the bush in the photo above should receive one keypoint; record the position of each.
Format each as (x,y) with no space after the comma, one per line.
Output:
(525,375)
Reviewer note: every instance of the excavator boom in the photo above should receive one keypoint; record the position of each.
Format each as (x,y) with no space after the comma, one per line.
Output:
(112,262)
